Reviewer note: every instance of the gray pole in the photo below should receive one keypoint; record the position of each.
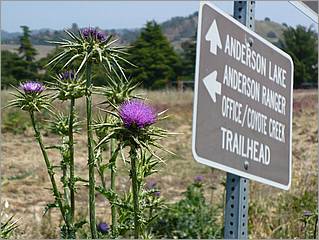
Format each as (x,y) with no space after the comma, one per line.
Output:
(237,188)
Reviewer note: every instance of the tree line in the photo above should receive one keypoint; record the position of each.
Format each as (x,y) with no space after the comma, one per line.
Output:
(159,64)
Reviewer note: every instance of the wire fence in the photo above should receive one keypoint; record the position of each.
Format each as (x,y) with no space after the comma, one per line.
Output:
(183,85)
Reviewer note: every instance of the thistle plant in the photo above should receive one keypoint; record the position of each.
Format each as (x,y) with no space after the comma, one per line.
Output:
(90,46)
(61,126)
(133,129)
(31,97)
(70,87)
(115,92)
(109,193)
(128,126)
(136,114)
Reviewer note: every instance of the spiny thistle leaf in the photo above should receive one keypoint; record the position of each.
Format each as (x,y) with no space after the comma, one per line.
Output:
(117,91)
(60,124)
(8,226)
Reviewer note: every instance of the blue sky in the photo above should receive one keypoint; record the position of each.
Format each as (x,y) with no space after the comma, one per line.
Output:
(124,14)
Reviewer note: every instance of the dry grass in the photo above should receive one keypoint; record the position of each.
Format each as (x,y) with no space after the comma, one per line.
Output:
(305,174)
(25,181)
(42,50)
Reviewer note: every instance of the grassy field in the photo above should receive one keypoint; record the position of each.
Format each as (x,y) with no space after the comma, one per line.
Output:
(42,50)
(273,213)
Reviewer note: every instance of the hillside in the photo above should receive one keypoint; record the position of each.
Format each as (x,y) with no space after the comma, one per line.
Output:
(177,30)
(271,31)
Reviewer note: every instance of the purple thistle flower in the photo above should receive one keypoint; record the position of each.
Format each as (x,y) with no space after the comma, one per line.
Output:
(93,33)
(136,113)
(103,227)
(307,213)
(100,36)
(86,32)
(199,178)
(67,75)
(157,193)
(151,185)
(32,87)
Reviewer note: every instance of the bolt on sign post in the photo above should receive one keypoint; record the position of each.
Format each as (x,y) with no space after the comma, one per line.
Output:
(242,116)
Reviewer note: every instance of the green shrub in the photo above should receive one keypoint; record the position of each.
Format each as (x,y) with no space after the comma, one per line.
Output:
(191,217)
(14,121)
(297,215)
(288,215)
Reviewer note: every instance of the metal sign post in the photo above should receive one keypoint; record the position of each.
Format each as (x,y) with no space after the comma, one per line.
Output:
(237,188)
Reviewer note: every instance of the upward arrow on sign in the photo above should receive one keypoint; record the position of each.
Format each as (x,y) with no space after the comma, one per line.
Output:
(212,35)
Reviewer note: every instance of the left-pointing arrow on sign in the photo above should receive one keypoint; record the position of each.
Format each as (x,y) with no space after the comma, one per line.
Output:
(211,84)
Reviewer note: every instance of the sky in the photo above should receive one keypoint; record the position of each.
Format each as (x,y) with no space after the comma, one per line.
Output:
(125,14)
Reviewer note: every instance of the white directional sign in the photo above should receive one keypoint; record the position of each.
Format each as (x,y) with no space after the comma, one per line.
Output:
(242,116)
(309,8)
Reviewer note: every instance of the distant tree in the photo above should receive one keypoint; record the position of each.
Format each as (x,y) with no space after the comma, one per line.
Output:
(26,49)
(188,57)
(271,34)
(48,72)
(301,44)
(267,19)
(157,62)
(14,69)
(74,28)
(285,25)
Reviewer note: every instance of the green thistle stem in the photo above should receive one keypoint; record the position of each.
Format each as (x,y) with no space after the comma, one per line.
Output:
(102,179)
(151,213)
(90,151)
(64,178)
(71,149)
(316,224)
(113,188)
(135,189)
(56,192)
